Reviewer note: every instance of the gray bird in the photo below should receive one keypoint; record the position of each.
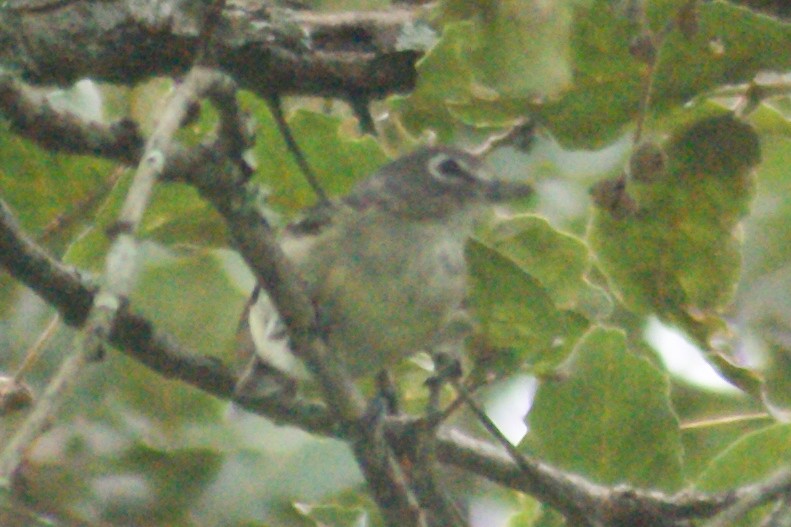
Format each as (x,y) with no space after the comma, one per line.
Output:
(385,266)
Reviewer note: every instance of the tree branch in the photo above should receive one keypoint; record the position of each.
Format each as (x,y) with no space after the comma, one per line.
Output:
(265,49)
(137,337)
(32,117)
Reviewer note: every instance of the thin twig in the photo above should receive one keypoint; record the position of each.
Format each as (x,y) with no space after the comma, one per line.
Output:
(121,261)
(360,105)
(518,135)
(276,108)
(33,352)
(47,406)
(726,420)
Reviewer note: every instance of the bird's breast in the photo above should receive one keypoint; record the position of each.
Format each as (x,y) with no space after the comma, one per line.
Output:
(384,291)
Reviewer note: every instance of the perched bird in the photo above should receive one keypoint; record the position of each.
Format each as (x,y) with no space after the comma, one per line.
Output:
(385,265)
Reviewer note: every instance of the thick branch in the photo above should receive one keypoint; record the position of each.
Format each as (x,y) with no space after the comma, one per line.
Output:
(32,117)
(265,50)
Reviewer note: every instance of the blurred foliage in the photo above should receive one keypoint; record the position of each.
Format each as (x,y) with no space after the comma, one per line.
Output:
(611,402)
(690,226)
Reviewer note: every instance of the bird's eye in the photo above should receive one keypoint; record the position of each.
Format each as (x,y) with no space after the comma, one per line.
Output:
(448,169)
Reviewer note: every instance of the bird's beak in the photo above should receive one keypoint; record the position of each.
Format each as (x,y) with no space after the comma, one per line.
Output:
(499,190)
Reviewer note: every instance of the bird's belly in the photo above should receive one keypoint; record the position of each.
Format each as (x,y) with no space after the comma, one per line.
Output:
(391,305)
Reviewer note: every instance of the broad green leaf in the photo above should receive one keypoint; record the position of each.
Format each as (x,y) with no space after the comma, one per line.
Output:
(557,260)
(518,315)
(176,215)
(753,457)
(444,74)
(53,195)
(732,45)
(607,82)
(492,58)
(333,515)
(522,46)
(337,158)
(608,417)
(191,298)
(770,119)
(678,254)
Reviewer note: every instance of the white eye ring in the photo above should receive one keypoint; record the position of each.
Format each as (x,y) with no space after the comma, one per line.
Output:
(450,169)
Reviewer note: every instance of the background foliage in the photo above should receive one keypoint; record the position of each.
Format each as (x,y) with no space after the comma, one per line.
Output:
(697,241)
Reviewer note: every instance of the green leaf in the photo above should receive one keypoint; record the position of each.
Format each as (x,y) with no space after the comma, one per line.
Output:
(53,195)
(608,417)
(333,515)
(557,260)
(732,45)
(517,314)
(337,158)
(444,74)
(191,297)
(522,46)
(492,58)
(679,255)
(176,215)
(607,83)
(753,457)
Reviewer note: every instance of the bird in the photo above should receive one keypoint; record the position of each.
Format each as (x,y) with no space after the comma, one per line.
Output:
(384,266)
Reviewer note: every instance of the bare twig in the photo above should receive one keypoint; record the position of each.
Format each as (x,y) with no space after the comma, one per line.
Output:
(519,135)
(276,108)
(40,417)
(211,19)
(726,420)
(33,352)
(121,262)
(361,107)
